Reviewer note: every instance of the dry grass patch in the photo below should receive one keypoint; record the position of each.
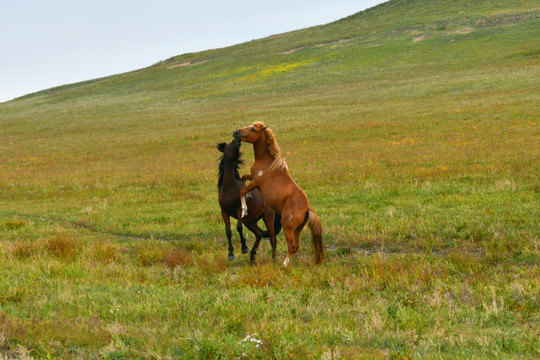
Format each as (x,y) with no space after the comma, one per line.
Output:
(149,254)
(63,246)
(24,249)
(63,331)
(105,253)
(12,224)
(178,257)
(211,264)
(261,276)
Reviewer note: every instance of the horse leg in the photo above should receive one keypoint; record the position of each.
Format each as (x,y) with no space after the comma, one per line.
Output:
(227,221)
(269,218)
(242,238)
(292,226)
(252,185)
(292,248)
(258,232)
(244,206)
(247,177)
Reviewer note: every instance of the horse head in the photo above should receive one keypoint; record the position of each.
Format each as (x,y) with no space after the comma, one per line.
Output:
(251,133)
(258,132)
(231,151)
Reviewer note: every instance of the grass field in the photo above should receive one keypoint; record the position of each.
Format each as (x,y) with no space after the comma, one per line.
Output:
(413,127)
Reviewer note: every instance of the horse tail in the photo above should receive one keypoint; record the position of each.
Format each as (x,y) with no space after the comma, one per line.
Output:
(277,227)
(316,236)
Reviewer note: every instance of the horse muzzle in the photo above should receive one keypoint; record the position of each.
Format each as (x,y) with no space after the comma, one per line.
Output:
(236,134)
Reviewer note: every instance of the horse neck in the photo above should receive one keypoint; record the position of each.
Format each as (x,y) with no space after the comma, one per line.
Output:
(260,148)
(229,173)
(228,176)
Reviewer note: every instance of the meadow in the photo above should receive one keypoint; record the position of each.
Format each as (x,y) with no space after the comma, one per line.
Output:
(413,128)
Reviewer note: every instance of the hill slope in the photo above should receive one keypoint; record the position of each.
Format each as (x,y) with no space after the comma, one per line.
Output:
(413,128)
(385,65)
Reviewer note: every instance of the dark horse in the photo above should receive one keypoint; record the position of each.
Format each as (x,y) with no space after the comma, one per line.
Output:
(230,185)
(270,174)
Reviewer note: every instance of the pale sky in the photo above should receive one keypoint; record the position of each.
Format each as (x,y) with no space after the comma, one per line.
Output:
(47,43)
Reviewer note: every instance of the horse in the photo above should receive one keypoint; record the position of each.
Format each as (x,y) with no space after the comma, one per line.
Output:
(270,174)
(229,186)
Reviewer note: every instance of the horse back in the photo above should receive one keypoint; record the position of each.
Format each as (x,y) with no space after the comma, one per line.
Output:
(278,189)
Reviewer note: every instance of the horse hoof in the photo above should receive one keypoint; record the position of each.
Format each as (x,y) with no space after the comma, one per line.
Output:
(230,257)
(245,250)
(286,262)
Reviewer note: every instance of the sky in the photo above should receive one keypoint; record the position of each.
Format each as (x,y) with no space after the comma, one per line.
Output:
(49,43)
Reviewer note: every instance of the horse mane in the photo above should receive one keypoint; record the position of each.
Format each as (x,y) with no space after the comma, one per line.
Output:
(237,163)
(273,147)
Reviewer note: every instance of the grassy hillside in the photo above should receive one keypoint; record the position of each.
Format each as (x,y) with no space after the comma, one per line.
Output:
(413,127)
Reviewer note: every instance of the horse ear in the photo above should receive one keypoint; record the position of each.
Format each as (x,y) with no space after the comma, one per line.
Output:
(221,147)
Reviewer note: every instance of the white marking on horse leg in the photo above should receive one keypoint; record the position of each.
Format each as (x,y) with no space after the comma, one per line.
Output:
(286,262)
(244,206)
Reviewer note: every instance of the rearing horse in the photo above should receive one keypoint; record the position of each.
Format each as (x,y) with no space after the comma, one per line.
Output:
(229,186)
(270,174)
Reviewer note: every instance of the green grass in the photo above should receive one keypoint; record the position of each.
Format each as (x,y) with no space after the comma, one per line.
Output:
(413,128)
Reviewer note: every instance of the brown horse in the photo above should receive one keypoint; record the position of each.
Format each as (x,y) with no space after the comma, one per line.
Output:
(229,186)
(270,174)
